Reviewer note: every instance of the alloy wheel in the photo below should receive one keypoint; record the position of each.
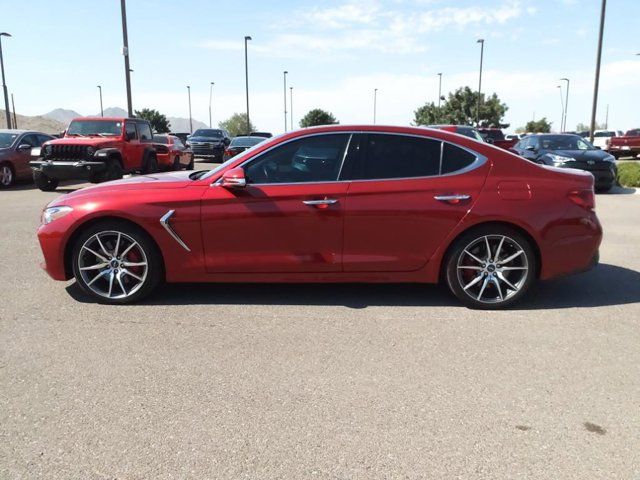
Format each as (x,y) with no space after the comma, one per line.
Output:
(6,175)
(112,264)
(492,268)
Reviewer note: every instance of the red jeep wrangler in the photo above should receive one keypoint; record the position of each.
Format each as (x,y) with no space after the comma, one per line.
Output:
(97,149)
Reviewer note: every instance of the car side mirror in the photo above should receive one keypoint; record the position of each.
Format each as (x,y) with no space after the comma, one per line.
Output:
(234,178)
(489,140)
(531,148)
(23,147)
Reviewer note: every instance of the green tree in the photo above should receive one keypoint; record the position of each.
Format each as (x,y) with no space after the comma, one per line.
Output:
(428,114)
(538,126)
(316,117)
(159,123)
(236,125)
(460,108)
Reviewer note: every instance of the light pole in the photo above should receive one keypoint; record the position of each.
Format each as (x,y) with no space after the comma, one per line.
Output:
(210,99)
(606,118)
(481,42)
(285,99)
(566,105)
(561,105)
(375,102)
(101,109)
(439,88)
(190,120)
(125,52)
(4,85)
(15,119)
(596,83)
(246,76)
(291,105)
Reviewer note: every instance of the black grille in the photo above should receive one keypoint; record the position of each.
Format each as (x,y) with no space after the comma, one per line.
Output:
(72,152)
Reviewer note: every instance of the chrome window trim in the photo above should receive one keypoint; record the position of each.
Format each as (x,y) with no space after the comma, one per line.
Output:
(477,163)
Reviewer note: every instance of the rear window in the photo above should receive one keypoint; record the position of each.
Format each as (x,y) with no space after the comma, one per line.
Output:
(161,139)
(455,158)
(633,133)
(604,134)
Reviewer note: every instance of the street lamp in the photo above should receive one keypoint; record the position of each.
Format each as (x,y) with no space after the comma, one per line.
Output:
(15,119)
(375,101)
(4,85)
(596,82)
(481,42)
(190,120)
(566,105)
(101,109)
(246,76)
(125,52)
(285,100)
(291,105)
(561,105)
(210,98)
(439,88)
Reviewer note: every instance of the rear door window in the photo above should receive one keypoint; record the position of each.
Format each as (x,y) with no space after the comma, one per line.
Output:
(455,158)
(386,156)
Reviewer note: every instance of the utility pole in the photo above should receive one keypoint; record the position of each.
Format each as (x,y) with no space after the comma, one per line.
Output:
(291,105)
(246,77)
(606,119)
(190,120)
(562,105)
(210,100)
(15,119)
(285,100)
(4,84)
(125,52)
(566,105)
(481,42)
(439,89)
(101,109)
(375,101)
(596,83)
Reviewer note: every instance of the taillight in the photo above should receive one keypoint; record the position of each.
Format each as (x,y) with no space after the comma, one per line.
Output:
(583,198)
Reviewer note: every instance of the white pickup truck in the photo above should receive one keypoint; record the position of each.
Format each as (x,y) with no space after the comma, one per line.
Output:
(601,137)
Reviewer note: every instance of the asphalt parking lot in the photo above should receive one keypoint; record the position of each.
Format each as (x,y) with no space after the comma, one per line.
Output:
(334,381)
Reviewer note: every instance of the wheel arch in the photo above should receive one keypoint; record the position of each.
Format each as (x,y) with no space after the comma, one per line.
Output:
(69,245)
(521,230)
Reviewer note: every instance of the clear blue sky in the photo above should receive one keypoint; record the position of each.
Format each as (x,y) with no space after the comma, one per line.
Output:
(336,51)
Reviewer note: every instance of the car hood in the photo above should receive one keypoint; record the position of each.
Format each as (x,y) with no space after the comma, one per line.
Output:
(89,141)
(205,139)
(139,182)
(580,155)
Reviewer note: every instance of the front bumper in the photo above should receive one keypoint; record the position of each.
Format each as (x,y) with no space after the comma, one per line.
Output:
(207,151)
(67,169)
(604,175)
(53,238)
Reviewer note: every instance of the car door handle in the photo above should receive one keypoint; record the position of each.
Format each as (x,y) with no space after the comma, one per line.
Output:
(452,199)
(324,203)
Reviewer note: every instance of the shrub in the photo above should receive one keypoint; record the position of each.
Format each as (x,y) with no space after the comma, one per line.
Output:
(629,174)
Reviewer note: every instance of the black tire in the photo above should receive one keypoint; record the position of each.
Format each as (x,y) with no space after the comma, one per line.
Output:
(487,285)
(176,164)
(151,165)
(191,164)
(44,182)
(7,175)
(121,273)
(113,172)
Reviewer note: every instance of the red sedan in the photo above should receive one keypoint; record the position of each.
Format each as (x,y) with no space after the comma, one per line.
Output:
(171,153)
(333,204)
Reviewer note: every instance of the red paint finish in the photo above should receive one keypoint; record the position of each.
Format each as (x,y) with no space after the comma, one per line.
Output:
(370,231)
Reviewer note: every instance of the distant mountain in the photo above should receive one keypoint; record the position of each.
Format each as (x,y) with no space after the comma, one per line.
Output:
(61,115)
(181,125)
(39,123)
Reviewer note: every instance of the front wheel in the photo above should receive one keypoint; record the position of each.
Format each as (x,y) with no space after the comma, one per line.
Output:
(491,267)
(44,182)
(116,263)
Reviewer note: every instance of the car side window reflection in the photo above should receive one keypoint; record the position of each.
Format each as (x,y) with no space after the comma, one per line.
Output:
(312,159)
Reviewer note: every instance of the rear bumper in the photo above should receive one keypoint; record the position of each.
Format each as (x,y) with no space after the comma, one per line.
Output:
(67,169)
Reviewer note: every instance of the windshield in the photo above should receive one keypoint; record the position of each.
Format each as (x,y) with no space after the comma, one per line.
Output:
(245,141)
(7,139)
(95,127)
(564,142)
(604,134)
(206,132)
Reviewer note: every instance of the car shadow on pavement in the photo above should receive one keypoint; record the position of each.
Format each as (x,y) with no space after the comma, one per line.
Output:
(619,190)
(604,285)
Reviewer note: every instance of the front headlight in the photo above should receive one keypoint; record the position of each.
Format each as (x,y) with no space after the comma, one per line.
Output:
(559,159)
(53,213)
(47,150)
(609,158)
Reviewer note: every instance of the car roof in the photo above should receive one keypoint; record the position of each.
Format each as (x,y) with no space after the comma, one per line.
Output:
(110,119)
(20,132)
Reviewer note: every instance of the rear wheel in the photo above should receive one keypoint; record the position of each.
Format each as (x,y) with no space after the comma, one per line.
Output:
(176,163)
(44,182)
(151,165)
(115,262)
(7,175)
(190,166)
(491,267)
